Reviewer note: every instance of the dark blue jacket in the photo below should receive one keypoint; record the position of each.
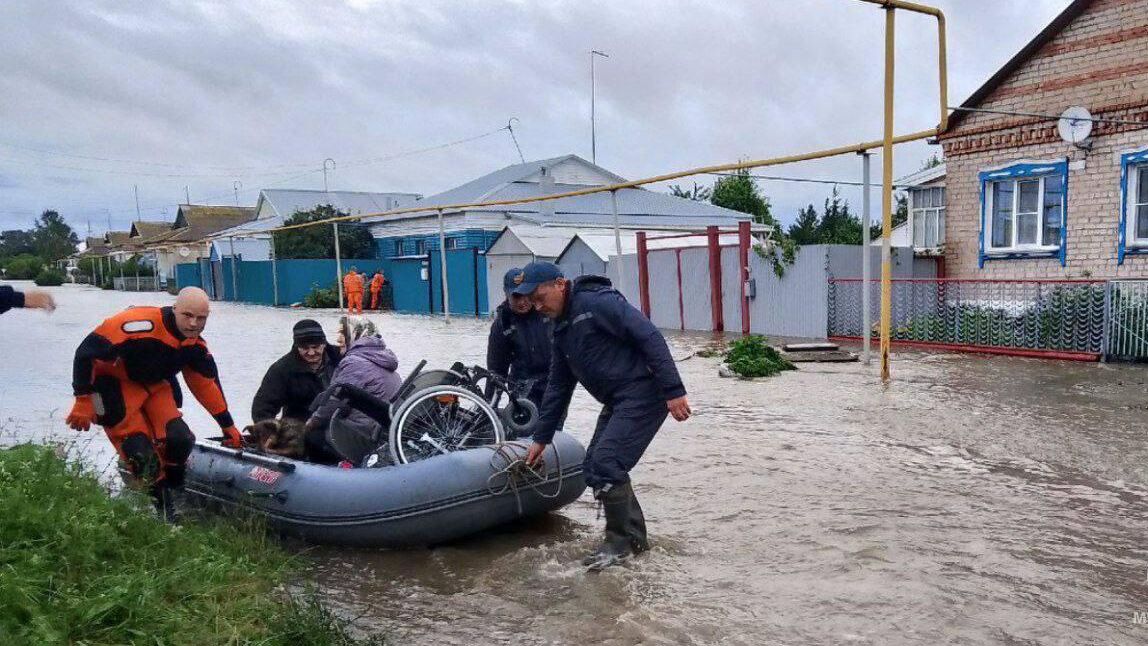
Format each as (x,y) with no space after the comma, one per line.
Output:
(608,346)
(519,347)
(10,298)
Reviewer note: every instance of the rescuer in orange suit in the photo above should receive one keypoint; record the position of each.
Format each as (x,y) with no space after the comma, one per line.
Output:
(353,289)
(124,380)
(377,288)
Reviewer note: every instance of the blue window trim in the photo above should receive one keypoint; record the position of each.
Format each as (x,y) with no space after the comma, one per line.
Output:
(1128,161)
(1026,169)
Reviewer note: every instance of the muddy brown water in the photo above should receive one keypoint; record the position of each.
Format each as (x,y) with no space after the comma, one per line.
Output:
(974,500)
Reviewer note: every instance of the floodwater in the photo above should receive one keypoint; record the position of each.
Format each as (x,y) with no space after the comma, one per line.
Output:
(974,500)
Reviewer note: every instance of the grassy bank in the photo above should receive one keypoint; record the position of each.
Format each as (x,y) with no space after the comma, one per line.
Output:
(80,567)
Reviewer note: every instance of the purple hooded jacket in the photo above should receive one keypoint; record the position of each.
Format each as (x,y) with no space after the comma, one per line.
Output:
(368,364)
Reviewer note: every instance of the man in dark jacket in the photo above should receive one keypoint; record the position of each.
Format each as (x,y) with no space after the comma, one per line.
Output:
(519,344)
(293,382)
(34,299)
(616,353)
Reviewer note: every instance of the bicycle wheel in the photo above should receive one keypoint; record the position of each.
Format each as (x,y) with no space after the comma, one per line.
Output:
(440,420)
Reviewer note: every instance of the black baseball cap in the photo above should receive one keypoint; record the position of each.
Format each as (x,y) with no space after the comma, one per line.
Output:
(534,275)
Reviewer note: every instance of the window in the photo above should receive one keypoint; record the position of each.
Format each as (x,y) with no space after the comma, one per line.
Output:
(451,243)
(398,250)
(928,216)
(1024,211)
(420,247)
(1134,204)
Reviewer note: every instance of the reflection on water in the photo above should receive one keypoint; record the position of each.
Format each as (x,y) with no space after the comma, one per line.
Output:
(973,500)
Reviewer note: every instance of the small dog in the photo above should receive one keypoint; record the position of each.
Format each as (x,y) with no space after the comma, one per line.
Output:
(279,436)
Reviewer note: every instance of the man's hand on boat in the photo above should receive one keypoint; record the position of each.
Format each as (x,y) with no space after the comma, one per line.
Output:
(536,450)
(680,408)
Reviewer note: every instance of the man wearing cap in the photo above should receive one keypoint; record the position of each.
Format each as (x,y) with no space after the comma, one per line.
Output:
(622,360)
(293,382)
(519,344)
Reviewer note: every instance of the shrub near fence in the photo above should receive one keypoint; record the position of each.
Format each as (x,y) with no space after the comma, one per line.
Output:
(1027,316)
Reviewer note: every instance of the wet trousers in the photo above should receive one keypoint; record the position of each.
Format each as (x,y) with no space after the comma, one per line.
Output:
(624,430)
(145,426)
(354,302)
(375,299)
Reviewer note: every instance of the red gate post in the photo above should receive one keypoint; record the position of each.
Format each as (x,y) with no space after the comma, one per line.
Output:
(643,272)
(743,261)
(715,278)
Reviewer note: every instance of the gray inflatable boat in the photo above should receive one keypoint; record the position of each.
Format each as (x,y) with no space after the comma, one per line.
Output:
(432,501)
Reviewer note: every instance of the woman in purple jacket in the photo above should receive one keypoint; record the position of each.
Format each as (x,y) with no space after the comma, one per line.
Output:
(367,364)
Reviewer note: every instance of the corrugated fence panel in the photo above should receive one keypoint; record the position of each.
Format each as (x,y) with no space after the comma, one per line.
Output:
(696,288)
(794,305)
(187,275)
(410,279)
(255,282)
(663,265)
(730,289)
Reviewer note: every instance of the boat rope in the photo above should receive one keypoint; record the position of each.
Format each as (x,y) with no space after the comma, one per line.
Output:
(508,462)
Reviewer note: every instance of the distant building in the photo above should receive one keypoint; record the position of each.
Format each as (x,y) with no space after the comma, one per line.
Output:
(1020,202)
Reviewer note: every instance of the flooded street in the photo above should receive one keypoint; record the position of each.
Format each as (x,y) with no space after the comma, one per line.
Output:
(974,500)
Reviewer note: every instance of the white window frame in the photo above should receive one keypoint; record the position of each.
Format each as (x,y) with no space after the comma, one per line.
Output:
(990,214)
(937,211)
(1131,209)
(421,247)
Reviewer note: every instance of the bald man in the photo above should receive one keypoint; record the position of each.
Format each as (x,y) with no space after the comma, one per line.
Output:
(124,380)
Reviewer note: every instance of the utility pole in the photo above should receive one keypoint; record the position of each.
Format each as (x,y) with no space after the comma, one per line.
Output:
(187,194)
(236,185)
(593,128)
(866,316)
(136,188)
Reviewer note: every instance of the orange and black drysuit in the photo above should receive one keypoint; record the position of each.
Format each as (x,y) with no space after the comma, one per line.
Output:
(124,379)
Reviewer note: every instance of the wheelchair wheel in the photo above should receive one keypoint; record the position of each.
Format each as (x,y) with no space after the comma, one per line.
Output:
(440,420)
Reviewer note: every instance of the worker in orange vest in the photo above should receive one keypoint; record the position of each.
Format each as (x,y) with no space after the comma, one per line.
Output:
(377,288)
(353,288)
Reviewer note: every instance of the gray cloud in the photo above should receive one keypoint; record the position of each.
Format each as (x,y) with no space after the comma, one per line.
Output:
(212,92)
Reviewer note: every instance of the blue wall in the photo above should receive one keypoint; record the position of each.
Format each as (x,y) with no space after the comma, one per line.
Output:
(466,239)
(187,275)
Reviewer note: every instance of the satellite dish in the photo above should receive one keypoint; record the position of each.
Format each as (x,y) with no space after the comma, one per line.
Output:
(1075,125)
(184,252)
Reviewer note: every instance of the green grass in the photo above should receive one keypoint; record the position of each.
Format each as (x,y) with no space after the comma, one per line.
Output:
(752,356)
(80,567)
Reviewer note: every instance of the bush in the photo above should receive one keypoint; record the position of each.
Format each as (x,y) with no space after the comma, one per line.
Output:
(752,356)
(321,297)
(50,278)
(23,267)
(82,567)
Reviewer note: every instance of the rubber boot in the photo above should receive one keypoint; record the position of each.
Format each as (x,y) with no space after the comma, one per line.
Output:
(636,527)
(166,506)
(615,546)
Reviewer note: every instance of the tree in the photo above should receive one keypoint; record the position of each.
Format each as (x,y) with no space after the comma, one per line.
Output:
(697,194)
(804,230)
(16,243)
(932,162)
(739,192)
(53,237)
(318,241)
(900,215)
(838,225)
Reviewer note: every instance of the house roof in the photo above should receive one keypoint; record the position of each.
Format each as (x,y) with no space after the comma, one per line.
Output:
(923,176)
(143,230)
(195,222)
(543,242)
(286,202)
(603,244)
(637,207)
(94,246)
(1050,31)
(118,239)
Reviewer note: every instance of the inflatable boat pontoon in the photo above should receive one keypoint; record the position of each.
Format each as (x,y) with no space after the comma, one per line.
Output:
(427,502)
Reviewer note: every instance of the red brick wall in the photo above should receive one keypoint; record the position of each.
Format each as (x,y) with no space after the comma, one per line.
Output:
(1099,61)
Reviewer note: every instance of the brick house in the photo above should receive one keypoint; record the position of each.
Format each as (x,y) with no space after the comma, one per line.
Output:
(1020,202)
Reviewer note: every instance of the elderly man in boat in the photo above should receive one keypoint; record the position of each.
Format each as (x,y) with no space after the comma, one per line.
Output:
(604,343)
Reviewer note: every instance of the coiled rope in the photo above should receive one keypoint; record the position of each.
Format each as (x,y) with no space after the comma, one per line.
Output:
(506,461)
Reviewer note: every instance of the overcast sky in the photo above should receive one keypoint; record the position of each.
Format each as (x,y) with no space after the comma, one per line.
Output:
(98,96)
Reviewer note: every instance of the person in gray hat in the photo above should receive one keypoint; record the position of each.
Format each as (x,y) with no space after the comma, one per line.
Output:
(604,343)
(292,383)
(519,345)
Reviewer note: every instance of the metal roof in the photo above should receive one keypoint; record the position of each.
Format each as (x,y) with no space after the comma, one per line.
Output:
(922,176)
(544,242)
(287,202)
(493,186)
(603,244)
(254,228)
